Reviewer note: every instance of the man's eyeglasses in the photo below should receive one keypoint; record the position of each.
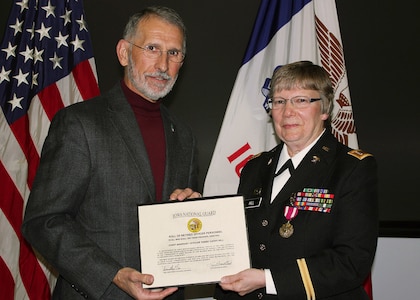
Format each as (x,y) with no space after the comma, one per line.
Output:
(297,102)
(154,52)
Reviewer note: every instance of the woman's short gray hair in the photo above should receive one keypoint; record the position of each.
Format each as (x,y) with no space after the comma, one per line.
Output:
(304,75)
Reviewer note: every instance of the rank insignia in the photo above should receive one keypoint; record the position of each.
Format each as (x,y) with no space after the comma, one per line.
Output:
(360,154)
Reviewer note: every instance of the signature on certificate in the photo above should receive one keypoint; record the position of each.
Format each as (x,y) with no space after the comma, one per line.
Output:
(220,264)
(172,268)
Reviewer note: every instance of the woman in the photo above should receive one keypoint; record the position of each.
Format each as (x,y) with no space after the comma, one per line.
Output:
(314,233)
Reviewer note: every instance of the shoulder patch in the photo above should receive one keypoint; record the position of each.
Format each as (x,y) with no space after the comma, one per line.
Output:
(360,154)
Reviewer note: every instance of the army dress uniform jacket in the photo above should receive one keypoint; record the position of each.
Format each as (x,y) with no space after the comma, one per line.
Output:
(329,255)
(94,172)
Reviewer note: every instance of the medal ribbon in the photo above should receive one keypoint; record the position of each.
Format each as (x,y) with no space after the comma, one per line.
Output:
(290,212)
(313,200)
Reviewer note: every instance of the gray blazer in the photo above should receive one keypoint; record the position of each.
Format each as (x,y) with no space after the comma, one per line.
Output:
(94,171)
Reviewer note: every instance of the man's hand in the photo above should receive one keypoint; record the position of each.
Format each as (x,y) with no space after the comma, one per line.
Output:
(182,194)
(244,282)
(130,281)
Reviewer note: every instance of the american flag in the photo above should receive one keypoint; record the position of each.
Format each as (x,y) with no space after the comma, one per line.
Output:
(46,63)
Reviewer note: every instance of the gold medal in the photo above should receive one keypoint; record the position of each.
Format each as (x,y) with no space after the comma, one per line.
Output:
(286,230)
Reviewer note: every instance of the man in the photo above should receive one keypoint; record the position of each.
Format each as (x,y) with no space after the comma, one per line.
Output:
(104,157)
(314,234)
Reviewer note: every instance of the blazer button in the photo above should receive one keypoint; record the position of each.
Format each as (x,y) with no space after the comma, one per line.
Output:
(262,247)
(264,223)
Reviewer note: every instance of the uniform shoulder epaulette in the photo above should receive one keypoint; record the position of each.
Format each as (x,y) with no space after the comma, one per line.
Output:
(360,154)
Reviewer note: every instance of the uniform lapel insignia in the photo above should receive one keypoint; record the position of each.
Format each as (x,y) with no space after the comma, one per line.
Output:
(315,159)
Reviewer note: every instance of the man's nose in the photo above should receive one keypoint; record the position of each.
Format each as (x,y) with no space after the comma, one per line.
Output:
(162,62)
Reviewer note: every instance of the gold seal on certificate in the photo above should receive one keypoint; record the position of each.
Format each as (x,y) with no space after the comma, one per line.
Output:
(191,243)
(195,225)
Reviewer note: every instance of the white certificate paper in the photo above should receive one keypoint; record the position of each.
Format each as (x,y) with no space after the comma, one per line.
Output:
(193,242)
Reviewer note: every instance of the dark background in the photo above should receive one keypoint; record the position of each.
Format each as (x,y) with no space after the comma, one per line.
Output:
(381,47)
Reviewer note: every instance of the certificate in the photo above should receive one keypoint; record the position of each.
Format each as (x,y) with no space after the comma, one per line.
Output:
(193,241)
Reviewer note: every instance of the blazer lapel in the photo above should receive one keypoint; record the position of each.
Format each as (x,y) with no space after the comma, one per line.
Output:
(122,117)
(171,136)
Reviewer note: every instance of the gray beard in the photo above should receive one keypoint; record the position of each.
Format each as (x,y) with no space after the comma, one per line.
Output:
(142,86)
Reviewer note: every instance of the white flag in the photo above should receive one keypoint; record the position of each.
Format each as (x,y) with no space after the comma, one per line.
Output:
(285,31)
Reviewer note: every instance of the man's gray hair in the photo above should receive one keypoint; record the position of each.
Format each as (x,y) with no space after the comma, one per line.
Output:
(167,14)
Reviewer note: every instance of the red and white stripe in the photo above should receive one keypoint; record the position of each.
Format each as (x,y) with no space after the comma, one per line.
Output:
(22,275)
